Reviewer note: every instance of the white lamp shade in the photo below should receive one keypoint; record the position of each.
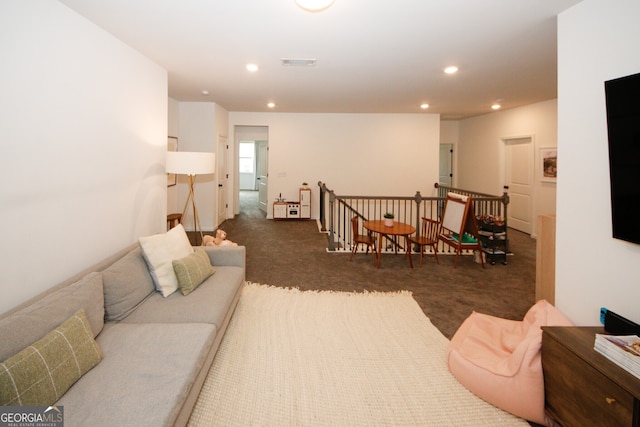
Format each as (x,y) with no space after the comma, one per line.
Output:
(190,163)
(314,5)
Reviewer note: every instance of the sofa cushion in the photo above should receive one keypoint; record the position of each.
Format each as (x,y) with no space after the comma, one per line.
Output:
(41,373)
(126,284)
(209,303)
(192,270)
(27,325)
(144,378)
(159,251)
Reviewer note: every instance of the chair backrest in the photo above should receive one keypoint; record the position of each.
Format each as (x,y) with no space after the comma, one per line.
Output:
(355,226)
(430,228)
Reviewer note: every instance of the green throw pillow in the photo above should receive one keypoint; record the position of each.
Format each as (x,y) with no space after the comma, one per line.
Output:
(40,374)
(192,270)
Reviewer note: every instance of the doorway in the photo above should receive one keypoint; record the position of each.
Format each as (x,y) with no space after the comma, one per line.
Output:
(222,173)
(253,160)
(446,165)
(519,163)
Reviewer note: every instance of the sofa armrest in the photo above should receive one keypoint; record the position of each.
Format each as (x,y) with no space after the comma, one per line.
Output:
(226,255)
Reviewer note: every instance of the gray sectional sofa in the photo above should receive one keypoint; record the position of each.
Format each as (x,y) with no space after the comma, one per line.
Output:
(156,350)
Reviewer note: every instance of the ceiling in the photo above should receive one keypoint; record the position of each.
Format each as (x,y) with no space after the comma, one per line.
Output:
(379,56)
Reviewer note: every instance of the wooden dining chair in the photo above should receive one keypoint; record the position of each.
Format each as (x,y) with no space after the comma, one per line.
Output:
(428,237)
(364,239)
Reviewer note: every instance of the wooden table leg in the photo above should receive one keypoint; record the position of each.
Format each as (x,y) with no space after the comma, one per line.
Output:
(379,248)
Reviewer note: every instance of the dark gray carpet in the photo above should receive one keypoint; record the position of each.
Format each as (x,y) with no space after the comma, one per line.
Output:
(292,253)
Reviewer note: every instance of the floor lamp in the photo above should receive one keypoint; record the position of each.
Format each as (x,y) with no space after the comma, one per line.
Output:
(191,164)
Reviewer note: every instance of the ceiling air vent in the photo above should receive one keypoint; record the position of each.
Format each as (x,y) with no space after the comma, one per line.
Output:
(294,62)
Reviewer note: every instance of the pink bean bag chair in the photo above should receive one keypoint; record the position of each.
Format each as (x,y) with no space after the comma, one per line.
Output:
(499,360)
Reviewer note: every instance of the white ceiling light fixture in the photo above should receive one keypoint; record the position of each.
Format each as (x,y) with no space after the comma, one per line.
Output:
(271,105)
(424,106)
(495,106)
(314,5)
(299,62)
(451,70)
(252,68)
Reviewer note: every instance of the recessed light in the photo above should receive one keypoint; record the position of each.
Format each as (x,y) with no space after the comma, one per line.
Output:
(205,92)
(495,106)
(424,106)
(252,67)
(271,105)
(451,70)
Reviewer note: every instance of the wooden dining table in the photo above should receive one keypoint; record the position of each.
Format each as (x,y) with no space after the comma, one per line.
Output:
(398,229)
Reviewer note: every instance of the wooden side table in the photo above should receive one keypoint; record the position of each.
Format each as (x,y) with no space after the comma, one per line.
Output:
(582,387)
(173,220)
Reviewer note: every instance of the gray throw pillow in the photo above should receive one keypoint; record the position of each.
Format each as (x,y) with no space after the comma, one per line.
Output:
(127,283)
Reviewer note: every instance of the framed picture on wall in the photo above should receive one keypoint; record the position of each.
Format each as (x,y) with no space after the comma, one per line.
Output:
(172,145)
(549,164)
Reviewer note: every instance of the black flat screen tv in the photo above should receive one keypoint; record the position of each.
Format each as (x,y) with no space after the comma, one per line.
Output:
(623,128)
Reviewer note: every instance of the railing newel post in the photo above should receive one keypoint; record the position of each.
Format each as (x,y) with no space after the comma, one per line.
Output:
(321,206)
(332,198)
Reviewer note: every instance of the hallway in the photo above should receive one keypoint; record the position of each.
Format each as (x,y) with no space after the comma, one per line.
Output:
(249,205)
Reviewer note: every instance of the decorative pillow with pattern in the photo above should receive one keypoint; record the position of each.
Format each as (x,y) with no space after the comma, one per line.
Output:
(40,374)
(192,270)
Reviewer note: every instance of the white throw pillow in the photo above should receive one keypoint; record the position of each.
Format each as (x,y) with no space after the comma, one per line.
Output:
(159,251)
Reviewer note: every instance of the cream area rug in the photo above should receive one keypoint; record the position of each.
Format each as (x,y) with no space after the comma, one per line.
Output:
(294,358)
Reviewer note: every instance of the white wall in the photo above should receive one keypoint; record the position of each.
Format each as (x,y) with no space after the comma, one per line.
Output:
(200,124)
(363,154)
(597,41)
(173,130)
(449,131)
(198,133)
(83,120)
(481,151)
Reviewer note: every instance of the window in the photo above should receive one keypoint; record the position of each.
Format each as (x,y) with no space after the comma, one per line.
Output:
(247,152)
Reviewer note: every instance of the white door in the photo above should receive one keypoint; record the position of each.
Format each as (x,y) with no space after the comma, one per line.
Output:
(222,172)
(519,178)
(446,165)
(262,173)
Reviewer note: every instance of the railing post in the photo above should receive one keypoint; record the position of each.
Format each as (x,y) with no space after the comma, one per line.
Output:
(323,189)
(505,200)
(418,199)
(332,199)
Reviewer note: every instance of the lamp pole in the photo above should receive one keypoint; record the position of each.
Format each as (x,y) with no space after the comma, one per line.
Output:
(192,198)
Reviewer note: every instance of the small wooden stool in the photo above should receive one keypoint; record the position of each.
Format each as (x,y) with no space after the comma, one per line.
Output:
(173,220)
